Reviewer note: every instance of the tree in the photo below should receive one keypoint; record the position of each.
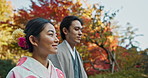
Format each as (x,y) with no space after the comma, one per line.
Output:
(100,31)
(99,45)
(5,33)
(100,42)
(8,49)
(5,38)
(128,36)
(5,10)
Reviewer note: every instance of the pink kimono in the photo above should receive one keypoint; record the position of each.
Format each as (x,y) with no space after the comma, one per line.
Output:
(31,68)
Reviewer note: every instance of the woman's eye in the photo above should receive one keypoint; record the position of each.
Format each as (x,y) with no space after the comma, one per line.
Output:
(50,34)
(76,29)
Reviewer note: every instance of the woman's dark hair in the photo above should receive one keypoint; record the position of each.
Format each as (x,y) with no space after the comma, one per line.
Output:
(34,27)
(66,22)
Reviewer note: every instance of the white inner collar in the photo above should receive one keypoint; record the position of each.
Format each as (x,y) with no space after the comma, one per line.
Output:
(72,51)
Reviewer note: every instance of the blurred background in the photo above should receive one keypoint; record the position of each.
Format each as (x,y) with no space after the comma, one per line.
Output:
(115,47)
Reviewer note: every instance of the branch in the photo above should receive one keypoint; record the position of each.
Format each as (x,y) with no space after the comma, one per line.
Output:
(112,56)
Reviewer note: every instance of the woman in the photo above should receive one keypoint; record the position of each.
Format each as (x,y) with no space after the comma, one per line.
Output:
(41,40)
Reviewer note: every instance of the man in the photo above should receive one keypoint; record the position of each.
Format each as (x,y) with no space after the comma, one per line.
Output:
(68,59)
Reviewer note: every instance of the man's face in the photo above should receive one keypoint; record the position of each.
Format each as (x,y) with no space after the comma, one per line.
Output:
(74,34)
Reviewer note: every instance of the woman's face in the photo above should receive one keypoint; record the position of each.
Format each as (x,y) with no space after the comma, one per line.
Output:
(48,40)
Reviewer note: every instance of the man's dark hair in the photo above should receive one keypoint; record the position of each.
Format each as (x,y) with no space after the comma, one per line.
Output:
(66,22)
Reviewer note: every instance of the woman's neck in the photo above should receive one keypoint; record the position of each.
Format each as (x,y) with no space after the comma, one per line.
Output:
(41,58)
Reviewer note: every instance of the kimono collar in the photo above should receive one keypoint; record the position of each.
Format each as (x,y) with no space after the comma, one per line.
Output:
(36,67)
(72,51)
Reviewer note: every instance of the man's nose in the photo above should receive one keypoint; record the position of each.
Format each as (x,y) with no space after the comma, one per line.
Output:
(80,32)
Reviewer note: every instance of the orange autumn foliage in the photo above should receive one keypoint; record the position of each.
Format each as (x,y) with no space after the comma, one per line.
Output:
(96,32)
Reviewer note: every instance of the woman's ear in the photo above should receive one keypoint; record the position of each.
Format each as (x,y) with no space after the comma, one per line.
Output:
(65,31)
(33,40)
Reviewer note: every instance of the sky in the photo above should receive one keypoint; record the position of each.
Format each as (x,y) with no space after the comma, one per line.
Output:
(133,11)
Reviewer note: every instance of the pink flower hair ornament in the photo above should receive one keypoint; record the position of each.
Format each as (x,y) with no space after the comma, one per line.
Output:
(22,43)
(17,34)
(19,37)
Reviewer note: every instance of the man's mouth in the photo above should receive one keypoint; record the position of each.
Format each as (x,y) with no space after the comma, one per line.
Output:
(79,38)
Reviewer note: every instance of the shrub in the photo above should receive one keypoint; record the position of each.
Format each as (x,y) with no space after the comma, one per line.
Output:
(131,73)
(5,67)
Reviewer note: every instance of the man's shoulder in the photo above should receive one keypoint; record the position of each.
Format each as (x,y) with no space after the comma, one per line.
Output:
(62,45)
(62,48)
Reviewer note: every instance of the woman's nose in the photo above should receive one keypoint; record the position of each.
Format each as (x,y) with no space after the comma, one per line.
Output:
(56,40)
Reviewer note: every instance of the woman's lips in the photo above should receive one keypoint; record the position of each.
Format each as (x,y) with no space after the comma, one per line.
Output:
(55,46)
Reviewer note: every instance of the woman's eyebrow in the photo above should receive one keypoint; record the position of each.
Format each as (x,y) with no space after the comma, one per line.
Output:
(50,31)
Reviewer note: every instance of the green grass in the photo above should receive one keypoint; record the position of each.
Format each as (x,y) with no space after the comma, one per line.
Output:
(132,73)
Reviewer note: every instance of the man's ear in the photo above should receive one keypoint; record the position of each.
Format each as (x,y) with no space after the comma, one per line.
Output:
(65,31)
(33,40)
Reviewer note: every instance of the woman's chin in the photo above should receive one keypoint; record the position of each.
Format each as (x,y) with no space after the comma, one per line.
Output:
(54,52)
